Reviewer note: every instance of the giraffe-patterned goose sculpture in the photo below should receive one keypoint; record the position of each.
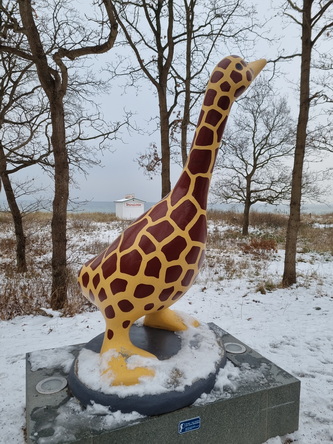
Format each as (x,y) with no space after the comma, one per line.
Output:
(157,258)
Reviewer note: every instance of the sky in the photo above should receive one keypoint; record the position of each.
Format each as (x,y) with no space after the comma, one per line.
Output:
(119,173)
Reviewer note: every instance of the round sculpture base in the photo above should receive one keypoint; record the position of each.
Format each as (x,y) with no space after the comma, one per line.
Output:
(170,349)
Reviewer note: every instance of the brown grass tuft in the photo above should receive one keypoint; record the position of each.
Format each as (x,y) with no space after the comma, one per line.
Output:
(271,220)
(259,246)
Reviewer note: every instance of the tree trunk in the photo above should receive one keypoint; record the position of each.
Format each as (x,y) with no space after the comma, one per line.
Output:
(187,84)
(54,83)
(165,143)
(59,217)
(247,206)
(184,126)
(289,274)
(246,219)
(54,86)
(21,263)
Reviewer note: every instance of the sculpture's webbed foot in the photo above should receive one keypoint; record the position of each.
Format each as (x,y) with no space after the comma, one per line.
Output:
(120,366)
(169,320)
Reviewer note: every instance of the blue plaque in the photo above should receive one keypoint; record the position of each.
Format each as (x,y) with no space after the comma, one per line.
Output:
(189,425)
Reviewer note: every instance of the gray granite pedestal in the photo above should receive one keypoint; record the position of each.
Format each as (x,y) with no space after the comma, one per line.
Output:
(263,403)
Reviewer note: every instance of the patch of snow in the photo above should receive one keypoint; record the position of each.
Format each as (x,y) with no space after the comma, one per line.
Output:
(291,327)
(198,357)
(68,422)
(58,358)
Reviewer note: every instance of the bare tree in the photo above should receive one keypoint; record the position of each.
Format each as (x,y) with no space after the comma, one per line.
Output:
(316,20)
(49,41)
(22,116)
(173,41)
(252,165)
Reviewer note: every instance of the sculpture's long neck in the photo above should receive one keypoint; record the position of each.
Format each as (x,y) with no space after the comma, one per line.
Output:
(197,173)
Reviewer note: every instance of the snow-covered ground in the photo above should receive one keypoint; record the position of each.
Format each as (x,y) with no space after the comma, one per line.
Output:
(291,327)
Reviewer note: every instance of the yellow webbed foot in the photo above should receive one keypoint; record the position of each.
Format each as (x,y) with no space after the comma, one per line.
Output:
(118,372)
(119,366)
(169,320)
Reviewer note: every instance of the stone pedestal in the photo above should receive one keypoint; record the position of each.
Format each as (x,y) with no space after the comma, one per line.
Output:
(165,345)
(264,403)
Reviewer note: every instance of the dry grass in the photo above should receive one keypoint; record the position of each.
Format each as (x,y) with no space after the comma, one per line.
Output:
(29,293)
(257,219)
(93,217)
(5,218)
(260,246)
(312,238)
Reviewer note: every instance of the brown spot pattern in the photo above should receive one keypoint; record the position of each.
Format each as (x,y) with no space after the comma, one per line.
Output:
(159,211)
(153,267)
(85,279)
(224,63)
(118,286)
(239,91)
(112,247)
(192,255)
(200,192)
(165,294)
(209,97)
(102,295)
(223,103)
(143,291)
(181,188)
(161,231)
(198,232)
(130,263)
(173,249)
(131,234)
(199,161)
(184,213)
(172,273)
(95,263)
(249,75)
(221,129)
(109,266)
(205,136)
(149,307)
(96,280)
(125,305)
(213,117)
(236,76)
(202,113)
(109,312)
(225,86)
(177,295)
(187,278)
(146,245)
(217,75)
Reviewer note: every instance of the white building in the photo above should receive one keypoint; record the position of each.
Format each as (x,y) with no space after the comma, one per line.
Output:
(130,207)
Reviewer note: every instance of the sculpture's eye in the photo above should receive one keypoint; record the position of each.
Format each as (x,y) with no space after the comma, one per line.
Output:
(239,66)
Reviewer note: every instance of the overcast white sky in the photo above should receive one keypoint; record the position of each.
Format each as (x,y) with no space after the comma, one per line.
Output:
(120,174)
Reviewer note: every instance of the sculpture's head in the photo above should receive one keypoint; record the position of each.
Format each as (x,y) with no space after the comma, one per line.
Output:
(234,75)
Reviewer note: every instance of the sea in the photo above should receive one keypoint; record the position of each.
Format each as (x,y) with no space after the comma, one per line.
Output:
(109,207)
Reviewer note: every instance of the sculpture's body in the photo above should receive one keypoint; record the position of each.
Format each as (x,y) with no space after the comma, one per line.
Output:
(156,259)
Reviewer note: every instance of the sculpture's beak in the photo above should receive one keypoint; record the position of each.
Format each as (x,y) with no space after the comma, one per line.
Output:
(257,66)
